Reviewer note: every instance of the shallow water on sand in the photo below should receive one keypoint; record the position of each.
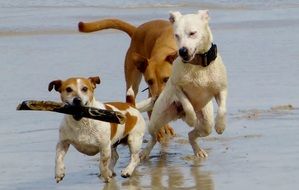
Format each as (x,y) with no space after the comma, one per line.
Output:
(259,45)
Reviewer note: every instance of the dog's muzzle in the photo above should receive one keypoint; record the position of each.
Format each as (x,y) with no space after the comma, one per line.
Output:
(76,105)
(77,101)
(183,52)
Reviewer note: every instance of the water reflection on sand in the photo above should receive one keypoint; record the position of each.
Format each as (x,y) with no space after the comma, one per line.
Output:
(162,175)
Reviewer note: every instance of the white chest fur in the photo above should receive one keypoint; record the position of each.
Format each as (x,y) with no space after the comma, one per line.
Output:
(199,83)
(86,135)
(212,76)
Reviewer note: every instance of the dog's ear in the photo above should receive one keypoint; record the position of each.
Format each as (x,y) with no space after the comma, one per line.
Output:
(140,62)
(56,84)
(174,16)
(204,15)
(94,81)
(171,57)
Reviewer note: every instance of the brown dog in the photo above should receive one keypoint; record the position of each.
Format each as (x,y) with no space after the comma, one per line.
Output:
(151,53)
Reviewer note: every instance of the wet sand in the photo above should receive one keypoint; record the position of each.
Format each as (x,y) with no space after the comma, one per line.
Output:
(258,150)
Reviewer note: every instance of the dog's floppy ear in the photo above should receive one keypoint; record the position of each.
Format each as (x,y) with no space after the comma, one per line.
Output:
(171,57)
(204,15)
(56,84)
(94,81)
(174,16)
(140,62)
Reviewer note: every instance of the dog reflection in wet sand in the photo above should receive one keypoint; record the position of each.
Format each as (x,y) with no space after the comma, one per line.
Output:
(159,174)
(90,136)
(198,76)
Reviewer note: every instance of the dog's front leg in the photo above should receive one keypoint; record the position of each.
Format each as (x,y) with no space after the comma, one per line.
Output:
(61,149)
(190,115)
(220,122)
(106,173)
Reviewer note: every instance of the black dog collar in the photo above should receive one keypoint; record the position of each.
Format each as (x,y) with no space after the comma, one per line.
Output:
(206,58)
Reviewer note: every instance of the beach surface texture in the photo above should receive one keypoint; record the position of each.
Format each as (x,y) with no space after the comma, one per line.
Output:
(259,44)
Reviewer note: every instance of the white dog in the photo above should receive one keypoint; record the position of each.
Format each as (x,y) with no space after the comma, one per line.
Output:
(198,76)
(90,136)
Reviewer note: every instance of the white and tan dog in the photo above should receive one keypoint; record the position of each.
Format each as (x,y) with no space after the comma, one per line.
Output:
(198,76)
(90,136)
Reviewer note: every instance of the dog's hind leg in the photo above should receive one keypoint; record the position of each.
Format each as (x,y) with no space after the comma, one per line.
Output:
(135,143)
(202,128)
(114,158)
(61,149)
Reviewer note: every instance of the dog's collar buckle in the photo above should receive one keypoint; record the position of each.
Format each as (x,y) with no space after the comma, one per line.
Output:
(206,58)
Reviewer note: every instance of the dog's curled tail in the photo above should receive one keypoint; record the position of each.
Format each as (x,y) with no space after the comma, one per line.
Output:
(107,24)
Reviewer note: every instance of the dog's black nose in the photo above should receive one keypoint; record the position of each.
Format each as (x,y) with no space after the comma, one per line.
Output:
(183,52)
(77,101)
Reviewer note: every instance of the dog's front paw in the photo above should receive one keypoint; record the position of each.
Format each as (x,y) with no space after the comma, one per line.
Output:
(107,176)
(164,132)
(59,173)
(59,177)
(126,173)
(201,153)
(220,124)
(107,179)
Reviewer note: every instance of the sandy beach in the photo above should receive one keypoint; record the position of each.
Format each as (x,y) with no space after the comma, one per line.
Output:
(258,41)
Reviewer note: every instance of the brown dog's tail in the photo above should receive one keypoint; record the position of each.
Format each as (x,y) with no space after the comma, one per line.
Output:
(107,24)
(130,97)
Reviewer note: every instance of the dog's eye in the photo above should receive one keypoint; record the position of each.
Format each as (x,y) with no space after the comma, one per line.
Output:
(165,79)
(84,89)
(177,36)
(192,34)
(150,82)
(69,90)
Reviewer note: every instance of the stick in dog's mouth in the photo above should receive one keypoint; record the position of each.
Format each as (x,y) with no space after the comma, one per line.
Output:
(77,111)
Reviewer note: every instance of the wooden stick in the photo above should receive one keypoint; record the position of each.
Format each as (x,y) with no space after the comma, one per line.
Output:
(77,111)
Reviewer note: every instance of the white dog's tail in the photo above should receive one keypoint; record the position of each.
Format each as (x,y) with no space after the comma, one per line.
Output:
(145,105)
